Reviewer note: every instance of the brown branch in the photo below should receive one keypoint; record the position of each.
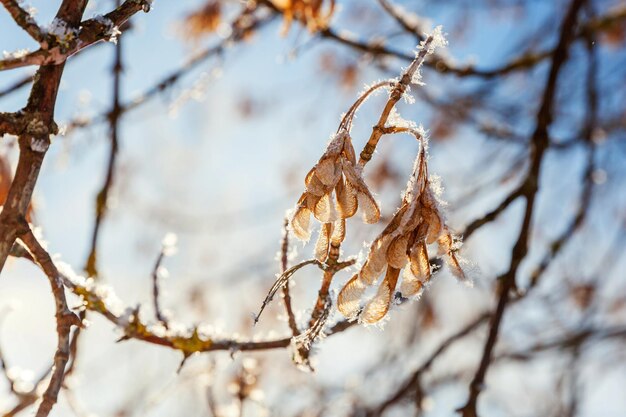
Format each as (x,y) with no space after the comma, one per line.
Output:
(64,317)
(102,198)
(24,20)
(413,383)
(242,26)
(585,199)
(524,61)
(394,96)
(283,280)
(91,31)
(396,13)
(493,214)
(284,265)
(571,341)
(155,288)
(34,140)
(540,143)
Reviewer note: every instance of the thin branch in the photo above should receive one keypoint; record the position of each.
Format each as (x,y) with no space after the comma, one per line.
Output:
(397,14)
(493,214)
(242,26)
(394,96)
(91,31)
(284,264)
(24,20)
(524,61)
(102,198)
(412,383)
(64,317)
(585,199)
(540,143)
(39,113)
(155,288)
(283,280)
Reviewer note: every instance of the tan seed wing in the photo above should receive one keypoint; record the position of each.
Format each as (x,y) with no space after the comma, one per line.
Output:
(378,307)
(410,285)
(300,223)
(397,253)
(347,203)
(349,298)
(420,267)
(339,232)
(323,241)
(324,210)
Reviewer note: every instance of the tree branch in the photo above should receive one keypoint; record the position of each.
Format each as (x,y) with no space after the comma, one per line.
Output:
(24,20)
(91,31)
(64,317)
(540,143)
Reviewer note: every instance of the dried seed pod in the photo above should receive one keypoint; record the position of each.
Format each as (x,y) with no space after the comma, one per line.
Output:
(300,223)
(402,244)
(334,189)
(378,306)
(350,296)
(323,242)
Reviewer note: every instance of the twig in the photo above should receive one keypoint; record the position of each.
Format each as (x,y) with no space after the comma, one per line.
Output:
(493,214)
(242,26)
(283,280)
(155,289)
(393,11)
(284,264)
(91,267)
(24,20)
(394,96)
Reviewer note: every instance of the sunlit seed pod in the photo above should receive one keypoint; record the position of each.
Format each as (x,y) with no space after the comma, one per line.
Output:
(445,243)
(339,232)
(323,241)
(349,298)
(300,223)
(376,260)
(326,171)
(310,201)
(324,210)
(347,203)
(410,285)
(378,307)
(434,225)
(397,251)
(419,265)
(348,151)
(315,187)
(371,212)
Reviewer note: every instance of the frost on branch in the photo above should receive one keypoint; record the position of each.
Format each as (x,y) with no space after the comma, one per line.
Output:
(427,47)
(62,33)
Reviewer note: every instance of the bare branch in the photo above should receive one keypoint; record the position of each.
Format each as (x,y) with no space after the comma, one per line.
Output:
(540,143)
(64,317)
(91,31)
(24,20)
(284,264)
